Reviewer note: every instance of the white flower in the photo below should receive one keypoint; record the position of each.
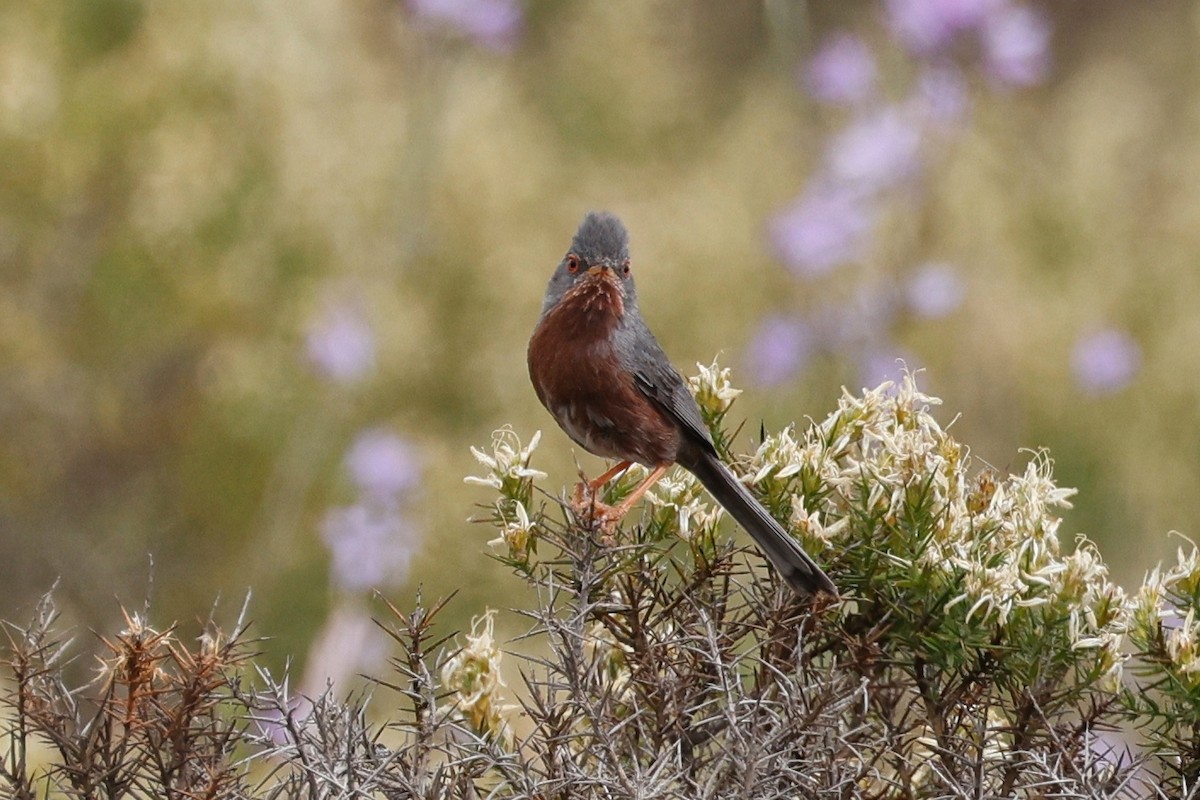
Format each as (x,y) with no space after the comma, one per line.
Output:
(681,494)
(811,525)
(1148,607)
(1113,678)
(516,533)
(1081,573)
(473,674)
(781,456)
(992,590)
(1182,648)
(508,463)
(1184,578)
(714,393)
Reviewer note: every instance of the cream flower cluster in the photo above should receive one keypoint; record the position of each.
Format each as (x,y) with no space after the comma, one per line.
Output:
(473,675)
(507,466)
(679,495)
(1163,617)
(883,457)
(507,471)
(712,389)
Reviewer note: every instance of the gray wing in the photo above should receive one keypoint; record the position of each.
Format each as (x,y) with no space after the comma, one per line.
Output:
(654,376)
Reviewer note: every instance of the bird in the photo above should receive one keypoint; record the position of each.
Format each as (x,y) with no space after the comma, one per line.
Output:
(604,378)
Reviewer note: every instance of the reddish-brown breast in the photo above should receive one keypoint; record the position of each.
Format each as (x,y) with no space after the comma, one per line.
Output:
(580,381)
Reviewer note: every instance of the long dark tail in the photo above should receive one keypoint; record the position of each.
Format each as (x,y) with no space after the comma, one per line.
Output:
(785,553)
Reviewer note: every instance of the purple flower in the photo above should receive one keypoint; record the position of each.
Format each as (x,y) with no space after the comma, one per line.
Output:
(780,350)
(1016,46)
(865,317)
(492,23)
(1109,747)
(935,291)
(842,71)
(348,644)
(271,724)
(927,26)
(382,464)
(826,226)
(341,345)
(1105,361)
(878,151)
(885,364)
(942,95)
(371,544)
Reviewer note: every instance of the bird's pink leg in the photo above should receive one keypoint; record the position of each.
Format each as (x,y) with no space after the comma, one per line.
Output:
(608,516)
(585,491)
(608,476)
(614,513)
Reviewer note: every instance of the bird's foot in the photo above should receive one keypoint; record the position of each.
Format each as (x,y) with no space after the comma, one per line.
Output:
(603,517)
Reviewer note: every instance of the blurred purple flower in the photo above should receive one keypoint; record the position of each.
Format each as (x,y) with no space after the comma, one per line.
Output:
(935,291)
(371,544)
(1016,46)
(1105,361)
(780,350)
(270,722)
(1111,747)
(885,364)
(878,151)
(492,23)
(1171,617)
(842,71)
(349,643)
(865,317)
(927,26)
(942,95)
(382,464)
(826,226)
(341,345)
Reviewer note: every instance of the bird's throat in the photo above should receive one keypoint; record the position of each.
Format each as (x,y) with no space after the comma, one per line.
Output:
(593,306)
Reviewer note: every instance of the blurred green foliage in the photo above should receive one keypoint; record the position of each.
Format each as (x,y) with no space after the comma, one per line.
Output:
(186,184)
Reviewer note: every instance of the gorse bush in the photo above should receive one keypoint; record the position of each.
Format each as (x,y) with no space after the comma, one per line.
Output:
(970,655)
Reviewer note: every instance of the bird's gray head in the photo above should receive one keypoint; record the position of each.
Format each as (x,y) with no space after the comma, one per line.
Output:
(599,252)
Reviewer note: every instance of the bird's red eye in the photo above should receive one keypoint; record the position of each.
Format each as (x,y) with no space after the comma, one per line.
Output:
(625,267)
(572,263)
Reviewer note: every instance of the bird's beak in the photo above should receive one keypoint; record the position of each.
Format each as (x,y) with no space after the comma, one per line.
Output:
(604,271)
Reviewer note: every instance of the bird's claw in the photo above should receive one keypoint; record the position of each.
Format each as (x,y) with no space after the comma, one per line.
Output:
(603,517)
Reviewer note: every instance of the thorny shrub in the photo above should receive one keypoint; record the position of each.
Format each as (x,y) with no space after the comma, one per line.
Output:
(970,654)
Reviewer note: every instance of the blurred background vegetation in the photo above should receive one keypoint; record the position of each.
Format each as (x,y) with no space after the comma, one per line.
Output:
(269,268)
